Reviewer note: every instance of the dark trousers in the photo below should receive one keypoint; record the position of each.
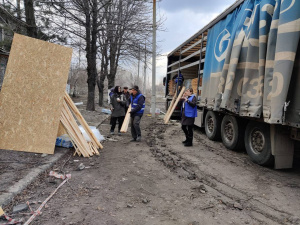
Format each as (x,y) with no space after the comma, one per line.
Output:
(113,122)
(188,131)
(135,126)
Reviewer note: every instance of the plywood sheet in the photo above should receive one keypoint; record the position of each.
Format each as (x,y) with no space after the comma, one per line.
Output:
(61,130)
(32,95)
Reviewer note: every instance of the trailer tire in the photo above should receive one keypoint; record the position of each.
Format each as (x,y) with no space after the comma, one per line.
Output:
(213,126)
(232,133)
(258,143)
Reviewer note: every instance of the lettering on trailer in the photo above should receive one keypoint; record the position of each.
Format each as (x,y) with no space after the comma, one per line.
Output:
(219,37)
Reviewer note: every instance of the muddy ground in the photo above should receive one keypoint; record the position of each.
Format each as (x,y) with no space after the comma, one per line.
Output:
(159,181)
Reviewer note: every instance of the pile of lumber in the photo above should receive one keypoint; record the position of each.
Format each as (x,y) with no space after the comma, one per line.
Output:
(172,87)
(195,85)
(82,147)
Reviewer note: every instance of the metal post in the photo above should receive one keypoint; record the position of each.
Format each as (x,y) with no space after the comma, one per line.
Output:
(199,69)
(178,75)
(145,71)
(153,97)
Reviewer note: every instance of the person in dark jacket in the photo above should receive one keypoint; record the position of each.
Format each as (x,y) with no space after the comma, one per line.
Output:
(188,113)
(179,78)
(137,101)
(127,96)
(126,93)
(118,103)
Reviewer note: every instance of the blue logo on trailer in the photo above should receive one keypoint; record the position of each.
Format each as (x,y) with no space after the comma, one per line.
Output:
(221,45)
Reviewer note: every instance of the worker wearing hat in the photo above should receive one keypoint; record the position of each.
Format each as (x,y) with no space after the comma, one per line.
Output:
(137,101)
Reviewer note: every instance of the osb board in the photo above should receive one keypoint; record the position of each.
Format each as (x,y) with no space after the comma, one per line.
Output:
(32,95)
(61,130)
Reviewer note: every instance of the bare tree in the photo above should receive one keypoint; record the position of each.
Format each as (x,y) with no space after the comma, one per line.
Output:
(72,14)
(30,18)
(127,24)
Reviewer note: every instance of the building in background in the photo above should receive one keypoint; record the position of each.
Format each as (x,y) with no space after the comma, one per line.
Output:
(3,62)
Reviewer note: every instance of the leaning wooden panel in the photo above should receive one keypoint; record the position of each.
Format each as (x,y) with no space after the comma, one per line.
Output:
(32,95)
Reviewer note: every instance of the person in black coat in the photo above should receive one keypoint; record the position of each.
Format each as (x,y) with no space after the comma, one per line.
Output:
(118,103)
(188,114)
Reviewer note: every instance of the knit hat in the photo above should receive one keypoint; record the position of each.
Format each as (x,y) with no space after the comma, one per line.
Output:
(135,87)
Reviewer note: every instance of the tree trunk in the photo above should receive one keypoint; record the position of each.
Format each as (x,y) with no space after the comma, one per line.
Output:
(100,85)
(30,18)
(103,75)
(111,81)
(91,49)
(19,9)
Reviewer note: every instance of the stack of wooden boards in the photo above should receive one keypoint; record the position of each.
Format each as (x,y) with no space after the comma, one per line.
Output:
(172,87)
(194,84)
(82,147)
(33,99)
(173,105)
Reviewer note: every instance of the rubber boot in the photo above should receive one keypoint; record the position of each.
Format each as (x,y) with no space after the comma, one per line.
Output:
(186,139)
(189,142)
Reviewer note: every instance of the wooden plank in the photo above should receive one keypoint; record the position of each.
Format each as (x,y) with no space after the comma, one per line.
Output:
(71,135)
(125,124)
(82,121)
(32,95)
(74,125)
(171,105)
(74,132)
(175,104)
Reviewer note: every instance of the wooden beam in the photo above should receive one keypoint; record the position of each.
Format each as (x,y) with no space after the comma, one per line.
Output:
(125,124)
(170,107)
(82,121)
(175,104)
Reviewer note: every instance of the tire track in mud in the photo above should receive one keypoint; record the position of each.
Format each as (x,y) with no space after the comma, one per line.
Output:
(185,169)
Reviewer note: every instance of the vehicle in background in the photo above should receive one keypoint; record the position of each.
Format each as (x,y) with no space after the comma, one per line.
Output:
(244,67)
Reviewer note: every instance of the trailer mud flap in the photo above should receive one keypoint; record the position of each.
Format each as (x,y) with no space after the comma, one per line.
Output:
(282,147)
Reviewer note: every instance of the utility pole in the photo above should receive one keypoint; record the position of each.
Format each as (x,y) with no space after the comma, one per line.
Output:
(138,79)
(145,73)
(153,97)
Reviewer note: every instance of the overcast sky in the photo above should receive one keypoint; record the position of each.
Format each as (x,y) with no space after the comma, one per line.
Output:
(183,18)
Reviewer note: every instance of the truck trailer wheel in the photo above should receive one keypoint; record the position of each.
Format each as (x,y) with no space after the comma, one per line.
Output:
(213,126)
(232,133)
(258,143)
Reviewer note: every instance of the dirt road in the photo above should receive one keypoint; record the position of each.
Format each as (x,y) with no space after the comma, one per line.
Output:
(158,181)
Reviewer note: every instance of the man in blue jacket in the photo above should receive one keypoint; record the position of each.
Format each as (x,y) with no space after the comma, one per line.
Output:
(137,101)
